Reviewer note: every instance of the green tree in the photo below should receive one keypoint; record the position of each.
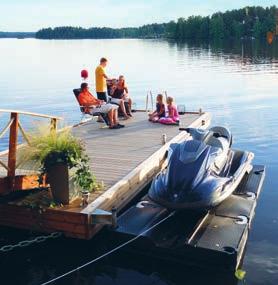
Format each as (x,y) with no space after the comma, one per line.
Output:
(217,27)
(257,31)
(171,28)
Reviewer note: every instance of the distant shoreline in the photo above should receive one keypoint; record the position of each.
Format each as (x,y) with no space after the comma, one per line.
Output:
(246,23)
(18,35)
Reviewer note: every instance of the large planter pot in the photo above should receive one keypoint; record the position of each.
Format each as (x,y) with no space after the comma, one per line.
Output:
(58,178)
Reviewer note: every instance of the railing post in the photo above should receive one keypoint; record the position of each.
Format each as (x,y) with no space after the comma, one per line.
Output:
(12,149)
(53,124)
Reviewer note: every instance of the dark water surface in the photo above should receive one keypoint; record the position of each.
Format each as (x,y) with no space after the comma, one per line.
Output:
(237,83)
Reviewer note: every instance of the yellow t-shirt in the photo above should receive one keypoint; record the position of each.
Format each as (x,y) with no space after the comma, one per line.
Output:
(101,85)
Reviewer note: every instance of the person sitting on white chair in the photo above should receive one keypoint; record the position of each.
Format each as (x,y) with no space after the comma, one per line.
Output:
(94,105)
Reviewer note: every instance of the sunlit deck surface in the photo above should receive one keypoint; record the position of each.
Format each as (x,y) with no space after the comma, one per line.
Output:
(125,160)
(114,153)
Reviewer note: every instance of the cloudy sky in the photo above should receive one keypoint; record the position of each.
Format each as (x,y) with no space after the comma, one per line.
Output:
(31,15)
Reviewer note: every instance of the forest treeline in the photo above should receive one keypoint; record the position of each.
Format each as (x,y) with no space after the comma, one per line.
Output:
(17,35)
(246,22)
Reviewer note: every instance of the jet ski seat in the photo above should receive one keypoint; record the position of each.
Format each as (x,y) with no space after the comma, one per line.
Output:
(220,143)
(218,137)
(191,151)
(220,132)
(220,149)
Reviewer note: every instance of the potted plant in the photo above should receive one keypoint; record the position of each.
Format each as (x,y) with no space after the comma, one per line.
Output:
(63,160)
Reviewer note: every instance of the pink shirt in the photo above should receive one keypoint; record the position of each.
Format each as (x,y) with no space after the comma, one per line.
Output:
(174,111)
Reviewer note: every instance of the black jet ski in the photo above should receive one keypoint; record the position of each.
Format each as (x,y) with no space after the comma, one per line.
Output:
(201,172)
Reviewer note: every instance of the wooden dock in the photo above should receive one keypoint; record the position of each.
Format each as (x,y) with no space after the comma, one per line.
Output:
(124,159)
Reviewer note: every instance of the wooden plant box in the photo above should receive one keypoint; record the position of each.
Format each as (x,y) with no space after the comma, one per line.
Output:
(21,182)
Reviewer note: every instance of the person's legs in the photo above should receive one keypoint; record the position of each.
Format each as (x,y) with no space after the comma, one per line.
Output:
(122,106)
(102,96)
(114,119)
(127,108)
(115,116)
(111,118)
(106,109)
(112,112)
(152,116)
(155,119)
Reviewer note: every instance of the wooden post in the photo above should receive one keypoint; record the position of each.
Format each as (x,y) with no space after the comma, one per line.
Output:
(53,124)
(12,149)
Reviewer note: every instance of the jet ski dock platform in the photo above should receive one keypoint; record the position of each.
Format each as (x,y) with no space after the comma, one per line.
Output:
(215,239)
(125,160)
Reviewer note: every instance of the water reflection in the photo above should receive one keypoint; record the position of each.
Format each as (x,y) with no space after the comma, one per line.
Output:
(244,49)
(50,259)
(262,262)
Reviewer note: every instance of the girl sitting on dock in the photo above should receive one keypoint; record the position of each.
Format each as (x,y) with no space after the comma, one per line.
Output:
(119,94)
(173,114)
(160,109)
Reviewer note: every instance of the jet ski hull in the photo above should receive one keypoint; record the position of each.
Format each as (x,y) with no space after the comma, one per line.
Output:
(213,190)
(202,172)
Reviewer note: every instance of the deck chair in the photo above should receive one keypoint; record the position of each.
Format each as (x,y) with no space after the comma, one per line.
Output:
(84,111)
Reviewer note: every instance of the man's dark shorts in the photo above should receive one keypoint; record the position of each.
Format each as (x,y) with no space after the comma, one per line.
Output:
(102,96)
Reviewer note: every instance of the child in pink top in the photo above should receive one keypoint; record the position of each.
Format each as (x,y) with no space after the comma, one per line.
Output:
(173,114)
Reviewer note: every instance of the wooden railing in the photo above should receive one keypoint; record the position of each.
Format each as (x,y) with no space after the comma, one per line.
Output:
(15,126)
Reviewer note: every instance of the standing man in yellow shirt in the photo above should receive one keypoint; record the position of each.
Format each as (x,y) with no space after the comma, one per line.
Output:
(101,85)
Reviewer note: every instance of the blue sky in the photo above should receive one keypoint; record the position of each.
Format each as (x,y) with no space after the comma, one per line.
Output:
(31,15)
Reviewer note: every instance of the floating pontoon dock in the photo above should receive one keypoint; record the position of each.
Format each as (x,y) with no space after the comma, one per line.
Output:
(124,159)
(214,239)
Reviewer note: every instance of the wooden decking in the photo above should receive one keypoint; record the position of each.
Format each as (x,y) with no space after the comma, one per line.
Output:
(124,159)
(115,153)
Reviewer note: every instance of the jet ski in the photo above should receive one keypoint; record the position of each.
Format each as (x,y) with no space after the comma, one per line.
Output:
(199,209)
(201,172)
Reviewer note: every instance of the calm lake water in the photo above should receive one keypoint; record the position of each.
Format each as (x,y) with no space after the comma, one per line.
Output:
(237,83)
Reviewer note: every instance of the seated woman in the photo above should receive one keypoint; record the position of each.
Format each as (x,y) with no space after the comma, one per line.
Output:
(119,94)
(160,109)
(173,114)
(93,105)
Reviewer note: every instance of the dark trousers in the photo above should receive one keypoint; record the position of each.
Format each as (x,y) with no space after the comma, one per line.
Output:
(102,96)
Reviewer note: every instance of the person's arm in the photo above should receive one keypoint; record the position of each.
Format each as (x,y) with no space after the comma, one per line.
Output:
(112,90)
(105,76)
(94,101)
(153,114)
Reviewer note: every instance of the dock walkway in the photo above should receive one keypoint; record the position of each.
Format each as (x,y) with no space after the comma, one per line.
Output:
(124,159)
(114,153)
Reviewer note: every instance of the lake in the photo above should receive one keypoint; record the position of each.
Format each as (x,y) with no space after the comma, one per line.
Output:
(236,82)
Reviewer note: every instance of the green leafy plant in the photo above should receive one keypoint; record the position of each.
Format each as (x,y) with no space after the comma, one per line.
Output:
(50,148)
(83,175)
